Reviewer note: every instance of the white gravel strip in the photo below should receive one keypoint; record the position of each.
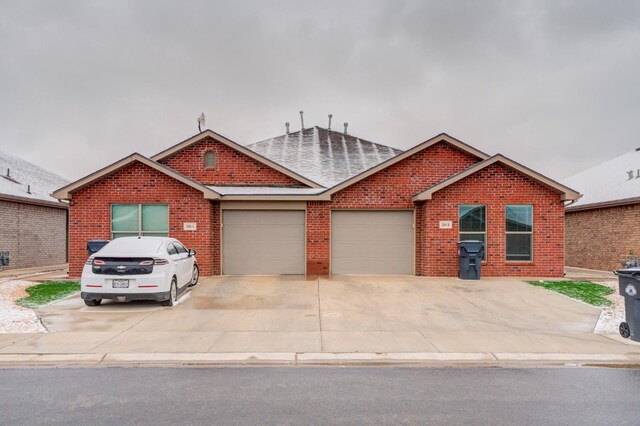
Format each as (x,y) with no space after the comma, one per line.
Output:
(612,316)
(14,318)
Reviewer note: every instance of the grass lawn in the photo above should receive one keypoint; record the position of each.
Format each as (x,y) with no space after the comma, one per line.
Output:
(585,291)
(47,292)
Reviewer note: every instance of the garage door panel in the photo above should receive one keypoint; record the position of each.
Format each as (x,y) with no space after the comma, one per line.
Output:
(372,242)
(264,217)
(385,234)
(379,251)
(263,242)
(262,233)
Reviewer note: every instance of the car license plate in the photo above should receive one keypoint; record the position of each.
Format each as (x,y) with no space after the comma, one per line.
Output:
(120,284)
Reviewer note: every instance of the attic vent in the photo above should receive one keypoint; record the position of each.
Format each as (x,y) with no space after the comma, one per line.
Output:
(8,177)
(209,159)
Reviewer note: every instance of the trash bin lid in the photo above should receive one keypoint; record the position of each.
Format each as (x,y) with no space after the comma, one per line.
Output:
(471,246)
(628,271)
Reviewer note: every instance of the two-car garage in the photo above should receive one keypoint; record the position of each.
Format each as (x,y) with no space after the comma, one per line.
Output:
(273,242)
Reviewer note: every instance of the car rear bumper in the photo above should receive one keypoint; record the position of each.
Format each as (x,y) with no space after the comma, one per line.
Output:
(125,297)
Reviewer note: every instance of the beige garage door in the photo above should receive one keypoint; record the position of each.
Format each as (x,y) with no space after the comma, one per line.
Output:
(262,242)
(372,242)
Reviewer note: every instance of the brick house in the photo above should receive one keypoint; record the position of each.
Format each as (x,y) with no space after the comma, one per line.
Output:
(322,202)
(33,224)
(602,225)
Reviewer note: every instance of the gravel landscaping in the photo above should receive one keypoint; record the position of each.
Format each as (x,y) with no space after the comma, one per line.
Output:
(611,316)
(14,318)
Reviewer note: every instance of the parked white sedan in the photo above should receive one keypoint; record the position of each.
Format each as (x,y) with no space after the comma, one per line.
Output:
(139,268)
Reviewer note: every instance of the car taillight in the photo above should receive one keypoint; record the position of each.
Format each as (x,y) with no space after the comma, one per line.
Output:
(89,262)
(146,262)
(160,262)
(99,262)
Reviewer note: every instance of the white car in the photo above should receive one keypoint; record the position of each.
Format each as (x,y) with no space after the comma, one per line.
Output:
(139,268)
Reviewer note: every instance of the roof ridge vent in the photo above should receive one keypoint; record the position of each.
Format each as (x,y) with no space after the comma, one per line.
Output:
(345,127)
(331,115)
(286,125)
(302,119)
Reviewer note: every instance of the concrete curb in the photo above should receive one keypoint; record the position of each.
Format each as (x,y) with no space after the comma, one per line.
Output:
(433,359)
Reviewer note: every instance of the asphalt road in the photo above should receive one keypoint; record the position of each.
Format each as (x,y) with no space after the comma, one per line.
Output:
(319,395)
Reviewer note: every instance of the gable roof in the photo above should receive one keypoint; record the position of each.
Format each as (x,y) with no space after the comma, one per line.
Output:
(322,155)
(614,182)
(65,193)
(256,156)
(442,137)
(22,181)
(566,192)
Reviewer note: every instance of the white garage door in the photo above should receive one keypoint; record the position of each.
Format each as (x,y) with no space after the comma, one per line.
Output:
(372,242)
(263,242)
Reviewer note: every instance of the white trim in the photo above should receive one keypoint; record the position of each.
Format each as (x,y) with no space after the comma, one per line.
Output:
(263,205)
(507,233)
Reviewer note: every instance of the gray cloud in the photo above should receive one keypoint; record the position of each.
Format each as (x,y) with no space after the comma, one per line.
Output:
(550,84)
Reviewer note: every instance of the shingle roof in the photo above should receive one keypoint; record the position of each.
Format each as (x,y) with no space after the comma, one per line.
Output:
(324,156)
(613,180)
(23,174)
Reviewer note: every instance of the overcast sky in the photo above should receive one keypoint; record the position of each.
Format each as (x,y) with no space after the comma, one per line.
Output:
(553,84)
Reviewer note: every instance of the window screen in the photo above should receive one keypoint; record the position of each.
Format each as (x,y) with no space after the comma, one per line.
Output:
(519,228)
(139,219)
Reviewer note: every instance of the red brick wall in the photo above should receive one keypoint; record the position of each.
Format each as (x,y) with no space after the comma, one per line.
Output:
(90,213)
(232,167)
(33,235)
(496,186)
(602,238)
(391,188)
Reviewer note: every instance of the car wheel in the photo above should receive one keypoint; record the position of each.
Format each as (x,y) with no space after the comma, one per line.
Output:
(173,293)
(624,329)
(194,276)
(92,302)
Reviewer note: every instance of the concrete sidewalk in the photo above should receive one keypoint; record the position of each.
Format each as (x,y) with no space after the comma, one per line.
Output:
(295,320)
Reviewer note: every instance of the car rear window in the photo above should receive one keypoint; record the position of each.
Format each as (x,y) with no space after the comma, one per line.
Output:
(132,246)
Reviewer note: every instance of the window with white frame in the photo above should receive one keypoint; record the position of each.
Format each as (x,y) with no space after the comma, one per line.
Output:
(472,224)
(129,220)
(519,229)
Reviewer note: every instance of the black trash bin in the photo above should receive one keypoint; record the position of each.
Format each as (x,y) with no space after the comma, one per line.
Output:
(93,246)
(629,285)
(470,253)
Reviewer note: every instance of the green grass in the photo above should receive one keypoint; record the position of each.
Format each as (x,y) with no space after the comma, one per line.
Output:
(47,292)
(585,291)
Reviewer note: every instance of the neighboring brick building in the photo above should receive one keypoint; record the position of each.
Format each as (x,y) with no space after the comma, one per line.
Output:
(602,226)
(33,224)
(320,202)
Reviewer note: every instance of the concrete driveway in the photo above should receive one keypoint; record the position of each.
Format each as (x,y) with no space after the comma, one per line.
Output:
(340,314)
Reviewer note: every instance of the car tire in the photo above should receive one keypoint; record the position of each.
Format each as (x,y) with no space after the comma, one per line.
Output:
(92,302)
(625,330)
(173,293)
(195,275)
